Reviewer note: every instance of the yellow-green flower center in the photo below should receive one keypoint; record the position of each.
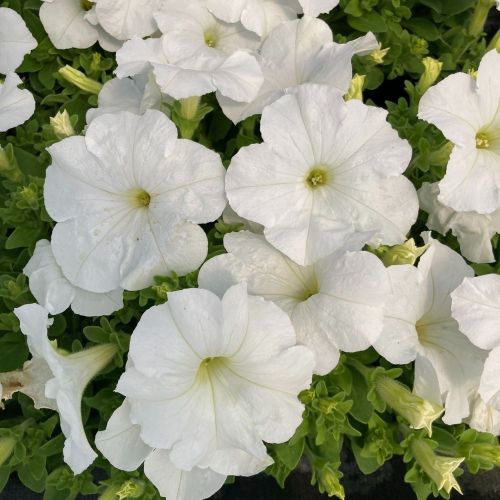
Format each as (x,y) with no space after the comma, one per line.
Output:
(483,141)
(317,176)
(421,331)
(139,198)
(211,38)
(86,5)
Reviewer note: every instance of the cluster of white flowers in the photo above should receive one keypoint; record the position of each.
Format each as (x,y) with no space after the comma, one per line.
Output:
(215,372)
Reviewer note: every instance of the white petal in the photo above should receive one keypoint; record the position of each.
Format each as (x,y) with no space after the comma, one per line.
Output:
(261,16)
(489,388)
(137,55)
(488,75)
(16,105)
(228,11)
(314,8)
(484,418)
(97,304)
(15,40)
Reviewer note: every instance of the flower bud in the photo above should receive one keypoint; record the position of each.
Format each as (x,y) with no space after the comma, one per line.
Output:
(430,75)
(406,253)
(356,89)
(133,488)
(61,125)
(80,80)
(329,483)
(377,56)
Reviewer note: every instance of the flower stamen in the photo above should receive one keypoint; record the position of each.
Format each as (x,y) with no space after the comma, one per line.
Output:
(139,198)
(317,176)
(86,5)
(211,38)
(482,141)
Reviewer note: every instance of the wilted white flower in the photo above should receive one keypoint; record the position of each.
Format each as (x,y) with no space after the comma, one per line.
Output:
(473,231)
(16,105)
(56,293)
(61,380)
(323,181)
(295,53)
(418,326)
(335,304)
(209,380)
(15,40)
(467,111)
(127,198)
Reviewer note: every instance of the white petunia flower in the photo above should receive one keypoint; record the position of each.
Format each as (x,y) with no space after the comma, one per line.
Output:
(56,293)
(467,111)
(63,379)
(473,231)
(197,54)
(16,105)
(15,40)
(122,445)
(295,53)
(476,307)
(418,326)
(127,198)
(211,379)
(335,304)
(323,181)
(72,24)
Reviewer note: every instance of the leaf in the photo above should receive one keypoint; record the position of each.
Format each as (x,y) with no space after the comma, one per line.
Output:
(369,21)
(290,454)
(13,351)
(423,27)
(22,237)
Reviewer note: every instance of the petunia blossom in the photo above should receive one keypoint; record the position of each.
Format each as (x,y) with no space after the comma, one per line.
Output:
(63,378)
(16,105)
(15,40)
(473,231)
(418,326)
(128,198)
(209,380)
(56,293)
(335,304)
(324,181)
(467,111)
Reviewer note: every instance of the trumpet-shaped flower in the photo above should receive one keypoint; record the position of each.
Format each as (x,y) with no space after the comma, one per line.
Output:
(476,307)
(321,180)
(56,293)
(295,53)
(127,199)
(467,111)
(418,326)
(16,105)
(335,304)
(473,231)
(63,378)
(211,379)
(15,40)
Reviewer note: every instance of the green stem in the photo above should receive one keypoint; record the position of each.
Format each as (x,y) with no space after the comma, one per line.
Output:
(476,26)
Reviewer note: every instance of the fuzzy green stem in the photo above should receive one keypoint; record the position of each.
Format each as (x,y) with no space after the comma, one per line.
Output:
(476,26)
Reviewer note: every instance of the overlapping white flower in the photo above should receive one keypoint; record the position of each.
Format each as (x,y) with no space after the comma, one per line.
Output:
(476,307)
(295,53)
(127,199)
(323,181)
(197,54)
(467,111)
(62,380)
(73,24)
(56,293)
(15,40)
(209,380)
(16,105)
(418,326)
(473,231)
(335,304)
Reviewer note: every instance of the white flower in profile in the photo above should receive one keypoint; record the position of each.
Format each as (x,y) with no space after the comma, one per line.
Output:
(211,379)
(128,198)
(336,304)
(295,53)
(467,111)
(418,327)
(197,54)
(72,24)
(476,307)
(473,231)
(16,105)
(122,445)
(324,181)
(56,293)
(15,40)
(63,378)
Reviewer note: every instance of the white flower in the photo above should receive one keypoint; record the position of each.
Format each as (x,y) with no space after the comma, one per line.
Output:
(418,326)
(122,445)
(197,54)
(16,105)
(336,304)
(295,53)
(473,231)
(468,113)
(483,417)
(72,23)
(210,379)
(323,179)
(15,40)
(63,379)
(127,198)
(476,307)
(56,293)
(124,19)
